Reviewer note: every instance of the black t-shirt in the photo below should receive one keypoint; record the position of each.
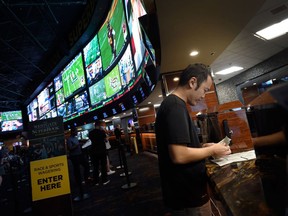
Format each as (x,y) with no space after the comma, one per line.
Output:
(117,133)
(183,185)
(97,138)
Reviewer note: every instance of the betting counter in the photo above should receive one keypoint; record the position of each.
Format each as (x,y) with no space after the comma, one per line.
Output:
(253,187)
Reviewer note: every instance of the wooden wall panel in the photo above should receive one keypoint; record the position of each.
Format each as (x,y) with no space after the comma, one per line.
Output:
(146,115)
(249,94)
(238,123)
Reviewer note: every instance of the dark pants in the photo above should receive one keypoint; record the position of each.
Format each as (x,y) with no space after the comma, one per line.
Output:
(119,147)
(99,159)
(77,162)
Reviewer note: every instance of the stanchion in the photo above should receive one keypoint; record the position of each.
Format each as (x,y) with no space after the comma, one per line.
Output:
(129,184)
(120,156)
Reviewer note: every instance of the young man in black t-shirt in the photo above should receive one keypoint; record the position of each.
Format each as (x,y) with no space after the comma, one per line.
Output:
(180,155)
(98,153)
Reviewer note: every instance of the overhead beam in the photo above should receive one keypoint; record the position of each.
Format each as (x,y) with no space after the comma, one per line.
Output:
(35,66)
(18,72)
(8,80)
(2,96)
(25,28)
(13,92)
(14,101)
(51,12)
(57,3)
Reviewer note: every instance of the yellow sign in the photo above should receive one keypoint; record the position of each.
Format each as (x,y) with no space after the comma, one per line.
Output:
(49,178)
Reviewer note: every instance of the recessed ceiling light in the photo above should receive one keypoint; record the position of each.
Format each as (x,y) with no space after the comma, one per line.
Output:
(175,79)
(160,95)
(149,102)
(194,53)
(273,31)
(229,70)
(143,109)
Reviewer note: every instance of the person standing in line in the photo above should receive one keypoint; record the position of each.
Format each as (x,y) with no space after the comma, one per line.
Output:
(98,153)
(129,131)
(108,147)
(181,157)
(77,158)
(118,133)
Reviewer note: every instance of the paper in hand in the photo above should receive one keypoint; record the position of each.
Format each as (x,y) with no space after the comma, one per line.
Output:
(225,141)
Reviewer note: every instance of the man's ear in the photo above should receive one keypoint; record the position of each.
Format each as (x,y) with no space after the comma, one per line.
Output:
(193,82)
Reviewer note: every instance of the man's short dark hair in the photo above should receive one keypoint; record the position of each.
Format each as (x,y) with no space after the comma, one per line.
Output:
(198,70)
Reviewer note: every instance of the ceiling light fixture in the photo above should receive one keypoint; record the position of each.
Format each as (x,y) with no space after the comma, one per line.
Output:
(143,109)
(175,79)
(194,53)
(229,70)
(273,31)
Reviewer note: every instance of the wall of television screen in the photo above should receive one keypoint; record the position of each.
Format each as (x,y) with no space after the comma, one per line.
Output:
(109,67)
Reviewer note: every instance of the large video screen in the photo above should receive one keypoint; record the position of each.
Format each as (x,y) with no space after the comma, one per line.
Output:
(73,76)
(92,60)
(46,100)
(126,67)
(97,92)
(60,98)
(11,121)
(110,66)
(112,34)
(112,82)
(32,110)
(135,10)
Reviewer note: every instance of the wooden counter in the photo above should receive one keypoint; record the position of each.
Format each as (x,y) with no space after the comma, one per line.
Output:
(249,188)
(148,140)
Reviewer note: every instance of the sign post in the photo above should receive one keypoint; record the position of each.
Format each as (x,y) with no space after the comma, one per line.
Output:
(49,168)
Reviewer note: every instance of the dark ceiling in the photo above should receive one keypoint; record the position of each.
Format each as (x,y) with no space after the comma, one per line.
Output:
(38,36)
(34,37)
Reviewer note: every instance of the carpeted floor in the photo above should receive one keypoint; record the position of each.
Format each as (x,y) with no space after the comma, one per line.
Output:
(143,199)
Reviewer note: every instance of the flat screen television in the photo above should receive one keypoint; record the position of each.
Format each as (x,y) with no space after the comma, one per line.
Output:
(112,34)
(46,100)
(11,121)
(83,135)
(126,67)
(61,110)
(113,63)
(133,12)
(60,98)
(58,82)
(97,92)
(81,102)
(32,110)
(73,76)
(112,82)
(93,61)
